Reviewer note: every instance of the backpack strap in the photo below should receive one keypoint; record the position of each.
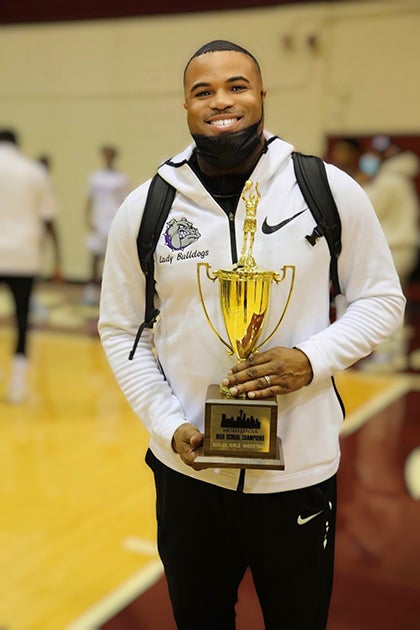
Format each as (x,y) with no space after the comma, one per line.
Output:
(313,181)
(158,204)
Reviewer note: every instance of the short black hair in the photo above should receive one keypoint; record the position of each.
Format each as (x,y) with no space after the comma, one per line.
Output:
(351,142)
(221,45)
(7,135)
(109,147)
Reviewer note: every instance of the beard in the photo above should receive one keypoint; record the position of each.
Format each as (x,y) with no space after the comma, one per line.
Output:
(228,150)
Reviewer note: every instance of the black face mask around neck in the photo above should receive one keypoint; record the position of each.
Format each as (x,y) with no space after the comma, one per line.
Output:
(228,150)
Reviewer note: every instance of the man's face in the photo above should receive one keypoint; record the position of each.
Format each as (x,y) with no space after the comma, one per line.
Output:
(108,154)
(344,156)
(223,93)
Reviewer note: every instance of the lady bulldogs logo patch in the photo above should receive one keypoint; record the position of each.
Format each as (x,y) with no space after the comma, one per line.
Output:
(180,233)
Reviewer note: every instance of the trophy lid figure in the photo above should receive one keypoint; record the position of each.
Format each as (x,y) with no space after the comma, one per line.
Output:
(250,224)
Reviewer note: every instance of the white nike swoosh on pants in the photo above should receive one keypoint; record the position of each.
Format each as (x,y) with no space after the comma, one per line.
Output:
(302,521)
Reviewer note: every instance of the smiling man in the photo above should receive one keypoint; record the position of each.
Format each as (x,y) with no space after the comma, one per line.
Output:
(225,109)
(216,522)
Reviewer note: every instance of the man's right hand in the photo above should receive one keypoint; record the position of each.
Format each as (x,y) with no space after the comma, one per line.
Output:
(186,440)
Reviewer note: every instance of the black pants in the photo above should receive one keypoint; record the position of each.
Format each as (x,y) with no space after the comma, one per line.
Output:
(21,288)
(208,536)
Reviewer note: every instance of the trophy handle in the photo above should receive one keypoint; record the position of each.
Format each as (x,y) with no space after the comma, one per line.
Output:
(212,278)
(286,306)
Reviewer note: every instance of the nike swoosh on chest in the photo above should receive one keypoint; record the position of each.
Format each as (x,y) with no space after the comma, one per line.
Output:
(269,229)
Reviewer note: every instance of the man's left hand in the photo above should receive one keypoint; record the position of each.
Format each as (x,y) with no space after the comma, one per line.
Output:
(276,371)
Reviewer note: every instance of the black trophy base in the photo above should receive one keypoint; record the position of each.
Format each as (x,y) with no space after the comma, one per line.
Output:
(226,461)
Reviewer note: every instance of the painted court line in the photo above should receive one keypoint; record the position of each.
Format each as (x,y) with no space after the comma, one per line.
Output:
(139,545)
(118,599)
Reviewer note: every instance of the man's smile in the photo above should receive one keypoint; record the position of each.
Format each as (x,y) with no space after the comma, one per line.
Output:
(225,122)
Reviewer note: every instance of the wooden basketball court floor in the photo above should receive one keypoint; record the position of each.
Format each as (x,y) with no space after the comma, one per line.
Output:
(77,526)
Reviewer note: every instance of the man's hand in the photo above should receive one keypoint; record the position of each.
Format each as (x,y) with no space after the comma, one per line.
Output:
(186,440)
(286,369)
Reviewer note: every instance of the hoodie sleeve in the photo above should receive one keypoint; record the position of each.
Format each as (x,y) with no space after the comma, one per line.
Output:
(371,306)
(121,313)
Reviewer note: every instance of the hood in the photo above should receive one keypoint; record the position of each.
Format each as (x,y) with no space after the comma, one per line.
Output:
(177,172)
(406,164)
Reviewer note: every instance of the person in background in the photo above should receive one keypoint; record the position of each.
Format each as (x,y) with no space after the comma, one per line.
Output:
(345,153)
(391,189)
(216,522)
(393,193)
(107,189)
(46,162)
(38,310)
(27,211)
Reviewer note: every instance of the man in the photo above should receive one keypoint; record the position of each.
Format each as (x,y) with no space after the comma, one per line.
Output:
(216,522)
(107,189)
(27,210)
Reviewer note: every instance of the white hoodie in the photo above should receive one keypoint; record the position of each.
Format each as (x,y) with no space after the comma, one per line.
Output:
(190,356)
(394,197)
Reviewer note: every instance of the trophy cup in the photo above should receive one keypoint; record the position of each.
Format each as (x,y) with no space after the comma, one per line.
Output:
(241,432)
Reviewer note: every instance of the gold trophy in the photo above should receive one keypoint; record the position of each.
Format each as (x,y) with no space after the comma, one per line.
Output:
(241,432)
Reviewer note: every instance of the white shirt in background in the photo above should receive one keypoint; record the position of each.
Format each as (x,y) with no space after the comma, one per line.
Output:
(26,200)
